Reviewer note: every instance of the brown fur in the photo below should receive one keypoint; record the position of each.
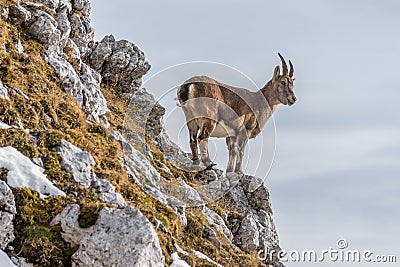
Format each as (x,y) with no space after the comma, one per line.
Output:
(214,109)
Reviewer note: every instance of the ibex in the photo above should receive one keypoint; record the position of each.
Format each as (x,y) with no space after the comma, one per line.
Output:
(214,109)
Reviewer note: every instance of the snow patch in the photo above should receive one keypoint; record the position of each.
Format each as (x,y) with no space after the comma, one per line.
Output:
(180,250)
(4,126)
(22,172)
(177,262)
(5,260)
(205,257)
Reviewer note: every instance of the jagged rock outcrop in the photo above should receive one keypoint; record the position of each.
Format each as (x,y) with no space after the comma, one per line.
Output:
(120,63)
(120,237)
(254,229)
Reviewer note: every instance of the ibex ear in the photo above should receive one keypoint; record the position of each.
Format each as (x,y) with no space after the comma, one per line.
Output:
(277,72)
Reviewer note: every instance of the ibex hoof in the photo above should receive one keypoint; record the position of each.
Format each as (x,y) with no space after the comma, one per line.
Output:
(196,161)
(210,166)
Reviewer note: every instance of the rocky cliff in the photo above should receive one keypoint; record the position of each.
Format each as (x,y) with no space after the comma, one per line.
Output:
(83,181)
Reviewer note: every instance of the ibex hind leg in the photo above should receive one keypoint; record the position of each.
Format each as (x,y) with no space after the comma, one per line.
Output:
(208,128)
(193,132)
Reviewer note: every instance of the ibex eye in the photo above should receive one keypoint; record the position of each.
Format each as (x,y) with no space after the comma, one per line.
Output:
(283,82)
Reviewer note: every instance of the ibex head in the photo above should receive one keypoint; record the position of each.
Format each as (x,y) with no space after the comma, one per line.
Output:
(283,83)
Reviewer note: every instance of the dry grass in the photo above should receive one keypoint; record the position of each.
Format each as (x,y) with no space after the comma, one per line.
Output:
(52,115)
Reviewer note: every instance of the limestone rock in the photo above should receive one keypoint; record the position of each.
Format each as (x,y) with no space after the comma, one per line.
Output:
(77,162)
(255,229)
(80,163)
(248,236)
(120,237)
(81,31)
(7,213)
(189,195)
(256,192)
(18,15)
(51,4)
(119,62)
(115,199)
(94,103)
(68,218)
(66,29)
(64,26)
(4,126)
(45,30)
(83,6)
(5,12)
(142,172)
(102,51)
(18,46)
(216,221)
(210,234)
(69,79)
(85,89)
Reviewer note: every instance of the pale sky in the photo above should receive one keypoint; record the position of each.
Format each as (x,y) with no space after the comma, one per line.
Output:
(337,168)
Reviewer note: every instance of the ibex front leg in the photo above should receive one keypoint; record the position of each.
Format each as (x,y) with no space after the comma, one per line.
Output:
(241,143)
(233,152)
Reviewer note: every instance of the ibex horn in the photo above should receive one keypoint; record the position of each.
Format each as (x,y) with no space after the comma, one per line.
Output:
(291,69)
(284,66)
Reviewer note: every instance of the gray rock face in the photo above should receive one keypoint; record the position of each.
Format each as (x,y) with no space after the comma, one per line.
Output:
(257,194)
(120,237)
(51,4)
(80,163)
(7,213)
(94,102)
(45,30)
(67,31)
(254,229)
(248,236)
(113,198)
(18,14)
(210,234)
(64,26)
(119,62)
(85,88)
(68,218)
(141,171)
(83,6)
(77,162)
(81,31)
(18,46)
(216,221)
